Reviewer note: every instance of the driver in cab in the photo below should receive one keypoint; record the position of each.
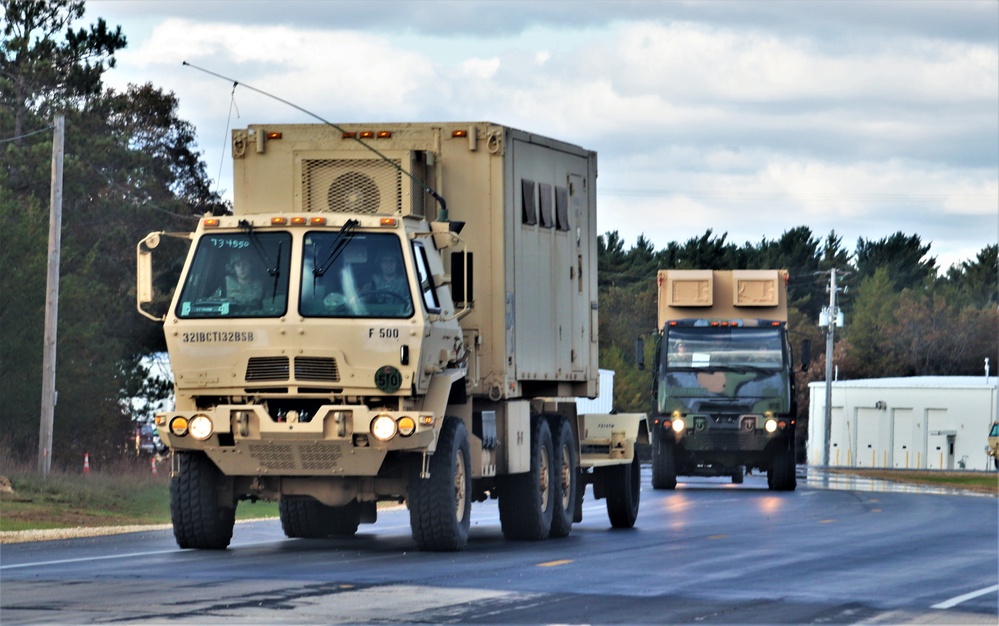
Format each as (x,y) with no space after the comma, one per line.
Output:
(388,278)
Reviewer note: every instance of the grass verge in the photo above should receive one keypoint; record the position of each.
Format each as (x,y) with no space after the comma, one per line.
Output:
(978,482)
(119,498)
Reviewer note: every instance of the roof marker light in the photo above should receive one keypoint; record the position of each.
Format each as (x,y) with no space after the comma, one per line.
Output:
(211,222)
(274,135)
(367,134)
(457,134)
(317,221)
(279,221)
(387,221)
(298,221)
(384,134)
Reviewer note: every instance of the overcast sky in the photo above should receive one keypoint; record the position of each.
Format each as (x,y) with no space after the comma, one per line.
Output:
(749,118)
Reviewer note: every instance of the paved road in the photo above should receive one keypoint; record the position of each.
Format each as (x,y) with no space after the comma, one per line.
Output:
(707,553)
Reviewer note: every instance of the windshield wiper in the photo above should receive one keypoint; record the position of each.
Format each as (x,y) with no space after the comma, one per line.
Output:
(337,246)
(261,252)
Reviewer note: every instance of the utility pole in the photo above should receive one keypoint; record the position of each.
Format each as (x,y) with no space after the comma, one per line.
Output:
(831,317)
(51,302)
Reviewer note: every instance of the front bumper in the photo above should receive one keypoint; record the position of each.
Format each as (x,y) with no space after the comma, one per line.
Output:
(245,440)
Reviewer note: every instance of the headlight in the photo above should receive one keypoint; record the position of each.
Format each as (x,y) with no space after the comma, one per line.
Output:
(406,426)
(771,425)
(383,428)
(201,427)
(678,425)
(178,426)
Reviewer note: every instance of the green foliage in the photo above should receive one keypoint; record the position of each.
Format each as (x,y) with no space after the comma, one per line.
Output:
(900,320)
(130,167)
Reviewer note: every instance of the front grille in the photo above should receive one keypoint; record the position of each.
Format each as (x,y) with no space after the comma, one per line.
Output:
(314,457)
(323,369)
(267,368)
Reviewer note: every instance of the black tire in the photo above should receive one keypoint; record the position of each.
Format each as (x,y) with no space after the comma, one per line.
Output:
(527,501)
(663,461)
(440,506)
(307,518)
(781,476)
(566,474)
(738,475)
(623,486)
(995,461)
(200,519)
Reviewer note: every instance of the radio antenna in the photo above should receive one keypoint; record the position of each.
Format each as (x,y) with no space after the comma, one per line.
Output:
(416,179)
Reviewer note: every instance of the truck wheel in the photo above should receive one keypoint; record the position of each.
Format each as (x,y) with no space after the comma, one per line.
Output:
(781,475)
(738,475)
(440,506)
(663,461)
(566,471)
(200,518)
(623,486)
(305,517)
(526,501)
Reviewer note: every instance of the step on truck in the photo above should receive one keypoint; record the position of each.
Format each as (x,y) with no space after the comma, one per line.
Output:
(346,337)
(723,387)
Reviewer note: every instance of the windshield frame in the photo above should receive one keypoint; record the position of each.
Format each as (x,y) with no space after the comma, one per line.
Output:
(236,275)
(348,285)
(727,348)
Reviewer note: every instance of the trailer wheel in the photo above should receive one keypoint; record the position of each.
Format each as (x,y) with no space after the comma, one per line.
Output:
(200,518)
(440,506)
(623,486)
(566,472)
(738,475)
(781,475)
(663,461)
(527,501)
(305,517)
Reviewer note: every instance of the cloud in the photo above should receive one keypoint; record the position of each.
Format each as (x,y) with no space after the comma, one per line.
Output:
(749,118)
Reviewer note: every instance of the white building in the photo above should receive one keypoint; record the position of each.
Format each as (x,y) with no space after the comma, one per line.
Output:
(925,422)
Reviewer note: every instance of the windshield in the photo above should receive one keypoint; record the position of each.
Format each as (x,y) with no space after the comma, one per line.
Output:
(237,275)
(732,348)
(364,276)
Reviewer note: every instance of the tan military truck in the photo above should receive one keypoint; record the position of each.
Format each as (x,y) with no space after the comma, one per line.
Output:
(992,449)
(723,380)
(346,337)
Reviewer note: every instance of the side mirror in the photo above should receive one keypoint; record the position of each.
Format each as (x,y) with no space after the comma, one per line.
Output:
(640,353)
(806,354)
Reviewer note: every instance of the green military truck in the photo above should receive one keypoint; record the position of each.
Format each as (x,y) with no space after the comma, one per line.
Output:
(347,338)
(723,385)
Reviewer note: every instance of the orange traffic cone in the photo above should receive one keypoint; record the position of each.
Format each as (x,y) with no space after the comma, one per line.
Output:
(86,463)
(153,461)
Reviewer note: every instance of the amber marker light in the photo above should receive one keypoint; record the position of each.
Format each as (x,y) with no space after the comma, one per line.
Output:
(349,134)
(387,221)
(298,221)
(457,134)
(273,135)
(178,426)
(406,426)
(211,222)
(384,134)
(367,134)
(279,221)
(317,221)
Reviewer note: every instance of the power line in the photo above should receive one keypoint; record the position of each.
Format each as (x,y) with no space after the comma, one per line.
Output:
(34,132)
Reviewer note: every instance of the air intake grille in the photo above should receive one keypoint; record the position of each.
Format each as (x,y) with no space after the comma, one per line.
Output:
(267,368)
(316,368)
(362,186)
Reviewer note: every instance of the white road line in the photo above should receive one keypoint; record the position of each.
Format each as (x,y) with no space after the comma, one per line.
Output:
(948,604)
(85,559)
